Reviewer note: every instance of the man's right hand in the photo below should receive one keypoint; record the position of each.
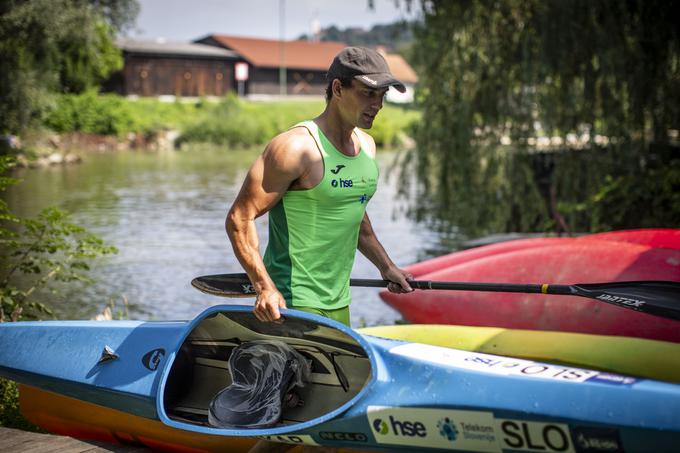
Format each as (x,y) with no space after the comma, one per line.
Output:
(267,305)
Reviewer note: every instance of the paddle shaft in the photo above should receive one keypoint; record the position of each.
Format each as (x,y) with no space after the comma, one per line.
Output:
(660,298)
(465,286)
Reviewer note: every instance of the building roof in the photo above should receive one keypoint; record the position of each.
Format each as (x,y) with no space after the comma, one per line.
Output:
(162,47)
(401,70)
(297,54)
(301,54)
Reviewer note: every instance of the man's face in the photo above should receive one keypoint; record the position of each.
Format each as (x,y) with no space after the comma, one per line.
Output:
(362,103)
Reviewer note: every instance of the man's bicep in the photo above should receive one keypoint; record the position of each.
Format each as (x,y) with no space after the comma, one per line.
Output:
(254,200)
(266,182)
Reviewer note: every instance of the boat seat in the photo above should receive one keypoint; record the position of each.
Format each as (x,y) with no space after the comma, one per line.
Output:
(264,373)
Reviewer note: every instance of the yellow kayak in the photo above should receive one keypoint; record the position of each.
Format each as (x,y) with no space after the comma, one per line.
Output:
(651,359)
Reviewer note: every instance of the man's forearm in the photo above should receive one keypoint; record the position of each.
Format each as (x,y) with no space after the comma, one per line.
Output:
(371,248)
(246,244)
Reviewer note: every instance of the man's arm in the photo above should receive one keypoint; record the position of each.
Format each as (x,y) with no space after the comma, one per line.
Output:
(268,179)
(372,249)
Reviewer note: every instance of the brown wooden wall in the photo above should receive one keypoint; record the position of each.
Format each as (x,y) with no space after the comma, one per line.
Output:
(146,75)
(299,82)
(154,76)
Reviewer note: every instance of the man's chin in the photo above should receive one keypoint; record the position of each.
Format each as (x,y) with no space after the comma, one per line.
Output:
(366,124)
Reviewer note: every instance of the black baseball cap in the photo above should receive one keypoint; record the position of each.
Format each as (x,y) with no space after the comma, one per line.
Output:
(365,65)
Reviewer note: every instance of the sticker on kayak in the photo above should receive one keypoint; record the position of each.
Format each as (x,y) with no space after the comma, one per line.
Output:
(534,436)
(152,358)
(506,366)
(445,429)
(299,439)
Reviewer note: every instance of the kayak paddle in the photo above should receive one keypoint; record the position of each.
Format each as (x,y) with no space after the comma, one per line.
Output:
(660,298)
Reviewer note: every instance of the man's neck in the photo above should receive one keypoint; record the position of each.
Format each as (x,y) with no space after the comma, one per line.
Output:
(337,130)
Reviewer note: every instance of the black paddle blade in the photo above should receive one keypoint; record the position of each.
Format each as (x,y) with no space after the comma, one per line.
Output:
(658,298)
(225,285)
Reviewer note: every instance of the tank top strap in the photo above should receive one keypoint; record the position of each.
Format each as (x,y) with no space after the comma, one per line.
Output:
(363,144)
(313,130)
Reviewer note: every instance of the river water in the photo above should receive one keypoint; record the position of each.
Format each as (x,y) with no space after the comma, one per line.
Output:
(165,213)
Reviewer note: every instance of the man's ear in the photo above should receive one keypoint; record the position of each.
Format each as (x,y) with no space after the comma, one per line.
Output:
(336,88)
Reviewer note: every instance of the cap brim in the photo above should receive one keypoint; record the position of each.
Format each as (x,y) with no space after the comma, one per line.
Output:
(381,80)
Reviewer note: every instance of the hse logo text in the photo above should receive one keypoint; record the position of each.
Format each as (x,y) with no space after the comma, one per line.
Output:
(342,182)
(399,427)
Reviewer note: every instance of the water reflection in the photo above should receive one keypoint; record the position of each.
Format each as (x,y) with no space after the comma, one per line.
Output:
(165,213)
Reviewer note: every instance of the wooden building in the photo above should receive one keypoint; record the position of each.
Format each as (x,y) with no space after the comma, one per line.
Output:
(305,62)
(157,68)
(208,67)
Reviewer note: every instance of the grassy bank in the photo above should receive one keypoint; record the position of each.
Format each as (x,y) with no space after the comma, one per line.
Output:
(230,121)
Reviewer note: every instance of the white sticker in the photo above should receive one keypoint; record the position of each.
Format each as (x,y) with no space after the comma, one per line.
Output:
(493,364)
(298,439)
(434,428)
(534,436)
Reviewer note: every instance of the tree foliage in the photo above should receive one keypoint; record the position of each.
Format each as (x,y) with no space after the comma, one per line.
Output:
(392,36)
(37,252)
(50,46)
(593,74)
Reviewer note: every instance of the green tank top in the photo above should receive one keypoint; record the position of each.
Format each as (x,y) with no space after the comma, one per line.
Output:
(313,233)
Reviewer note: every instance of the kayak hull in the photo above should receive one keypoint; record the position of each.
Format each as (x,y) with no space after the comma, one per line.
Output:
(73,417)
(591,261)
(650,237)
(668,238)
(400,396)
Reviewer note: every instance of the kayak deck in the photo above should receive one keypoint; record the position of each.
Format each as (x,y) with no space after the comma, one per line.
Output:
(652,359)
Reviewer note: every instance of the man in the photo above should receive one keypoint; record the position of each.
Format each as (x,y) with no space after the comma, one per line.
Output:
(315,181)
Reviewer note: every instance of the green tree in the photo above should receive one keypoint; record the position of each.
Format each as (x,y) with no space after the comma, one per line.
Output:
(37,252)
(513,71)
(50,46)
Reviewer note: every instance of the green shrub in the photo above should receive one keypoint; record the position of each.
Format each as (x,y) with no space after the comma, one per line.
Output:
(229,122)
(10,415)
(91,113)
(37,252)
(235,122)
(225,123)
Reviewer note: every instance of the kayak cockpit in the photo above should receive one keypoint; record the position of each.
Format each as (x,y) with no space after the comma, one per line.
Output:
(201,383)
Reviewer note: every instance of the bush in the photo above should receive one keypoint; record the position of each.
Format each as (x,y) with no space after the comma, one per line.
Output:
(230,122)
(226,124)
(10,415)
(234,122)
(91,113)
(37,252)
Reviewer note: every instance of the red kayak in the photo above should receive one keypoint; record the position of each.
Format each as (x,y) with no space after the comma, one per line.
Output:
(668,238)
(562,262)
(653,237)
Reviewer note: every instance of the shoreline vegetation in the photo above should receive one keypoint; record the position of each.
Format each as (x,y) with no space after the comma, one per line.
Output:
(92,122)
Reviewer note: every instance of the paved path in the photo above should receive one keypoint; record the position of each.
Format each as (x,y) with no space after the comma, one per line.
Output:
(14,440)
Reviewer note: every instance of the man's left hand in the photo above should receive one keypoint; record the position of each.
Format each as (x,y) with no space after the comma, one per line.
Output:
(398,279)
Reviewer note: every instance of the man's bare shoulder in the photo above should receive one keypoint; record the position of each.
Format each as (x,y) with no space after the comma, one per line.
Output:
(296,142)
(291,152)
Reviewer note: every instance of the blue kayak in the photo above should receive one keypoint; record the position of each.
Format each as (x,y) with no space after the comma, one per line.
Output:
(334,387)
